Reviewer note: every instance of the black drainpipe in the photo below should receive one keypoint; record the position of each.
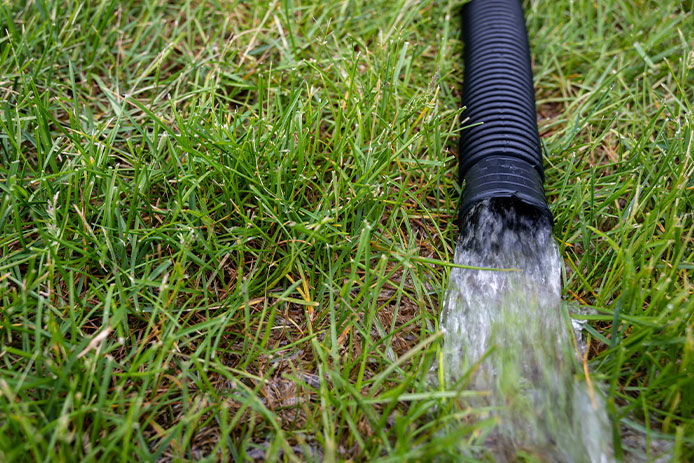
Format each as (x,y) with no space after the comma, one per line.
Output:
(501,157)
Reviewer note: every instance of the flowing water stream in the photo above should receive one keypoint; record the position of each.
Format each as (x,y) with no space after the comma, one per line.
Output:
(508,327)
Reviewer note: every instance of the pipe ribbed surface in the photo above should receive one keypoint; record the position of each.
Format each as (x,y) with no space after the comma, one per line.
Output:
(500,157)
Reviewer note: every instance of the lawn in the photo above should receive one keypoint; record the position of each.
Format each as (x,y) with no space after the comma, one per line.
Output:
(226,227)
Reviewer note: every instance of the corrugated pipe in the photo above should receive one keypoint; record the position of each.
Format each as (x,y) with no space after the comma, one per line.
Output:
(500,156)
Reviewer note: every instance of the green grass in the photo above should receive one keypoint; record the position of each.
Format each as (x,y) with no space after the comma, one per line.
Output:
(224,226)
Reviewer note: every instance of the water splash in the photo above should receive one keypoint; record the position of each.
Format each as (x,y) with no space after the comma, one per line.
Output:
(508,327)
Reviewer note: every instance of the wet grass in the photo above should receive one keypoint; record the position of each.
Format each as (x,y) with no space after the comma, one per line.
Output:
(225,226)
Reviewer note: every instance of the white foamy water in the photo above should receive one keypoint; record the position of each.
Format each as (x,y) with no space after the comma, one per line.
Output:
(508,326)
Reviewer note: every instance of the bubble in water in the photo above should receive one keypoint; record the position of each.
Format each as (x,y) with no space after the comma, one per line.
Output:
(507,326)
